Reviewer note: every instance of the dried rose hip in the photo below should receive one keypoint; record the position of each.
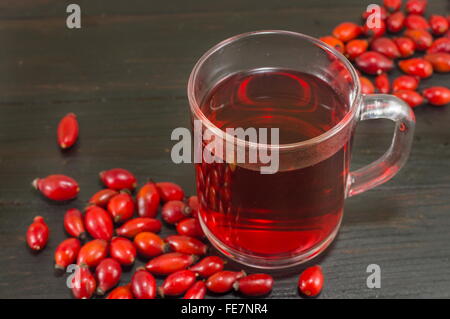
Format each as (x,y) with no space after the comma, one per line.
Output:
(186,245)
(169,263)
(98,223)
(37,234)
(440,61)
(149,245)
(311,280)
(67,131)
(416,6)
(366,85)
(66,254)
(190,227)
(148,200)
(405,82)
(347,31)
(122,250)
(372,62)
(121,207)
(143,285)
(416,66)
(437,95)
(333,42)
(118,179)
(422,38)
(138,225)
(170,191)
(440,45)
(197,291)
(222,281)
(355,48)
(254,285)
(386,47)
(374,30)
(395,22)
(83,283)
(208,266)
(93,252)
(122,292)
(416,22)
(57,187)
(438,24)
(108,274)
(392,5)
(413,98)
(382,83)
(177,283)
(102,197)
(174,211)
(405,46)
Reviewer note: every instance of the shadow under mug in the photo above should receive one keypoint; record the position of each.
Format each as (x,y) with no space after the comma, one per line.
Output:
(286,218)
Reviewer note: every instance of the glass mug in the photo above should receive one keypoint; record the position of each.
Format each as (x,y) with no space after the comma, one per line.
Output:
(312,94)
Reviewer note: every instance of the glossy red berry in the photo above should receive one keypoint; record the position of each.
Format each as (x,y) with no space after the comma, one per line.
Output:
(93,252)
(67,131)
(374,30)
(222,281)
(416,66)
(150,245)
(57,187)
(121,292)
(416,22)
(413,98)
(440,45)
(254,285)
(333,42)
(416,6)
(197,291)
(190,227)
(118,179)
(405,82)
(37,234)
(395,22)
(392,5)
(122,250)
(194,205)
(186,245)
(170,191)
(108,274)
(208,266)
(422,38)
(347,31)
(102,197)
(174,211)
(143,285)
(66,254)
(437,95)
(372,62)
(386,47)
(169,263)
(311,280)
(382,83)
(177,283)
(148,200)
(405,46)
(440,61)
(98,223)
(73,223)
(355,48)
(138,225)
(438,24)
(83,283)
(121,207)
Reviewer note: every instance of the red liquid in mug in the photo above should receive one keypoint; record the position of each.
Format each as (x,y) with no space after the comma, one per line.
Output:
(288,212)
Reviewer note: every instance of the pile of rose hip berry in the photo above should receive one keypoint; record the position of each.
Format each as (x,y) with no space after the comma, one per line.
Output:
(108,236)
(373,49)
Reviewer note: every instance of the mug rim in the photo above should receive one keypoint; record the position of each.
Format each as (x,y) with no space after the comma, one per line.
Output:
(353,108)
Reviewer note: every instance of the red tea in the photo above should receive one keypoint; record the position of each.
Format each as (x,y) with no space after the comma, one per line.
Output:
(288,212)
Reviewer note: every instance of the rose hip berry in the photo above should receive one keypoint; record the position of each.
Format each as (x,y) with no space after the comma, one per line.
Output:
(169,191)
(405,46)
(374,30)
(197,291)
(93,252)
(102,197)
(355,48)
(422,38)
(121,292)
(108,274)
(392,5)
(440,61)
(416,22)
(416,6)
(367,86)
(150,245)
(372,62)
(333,42)
(347,31)
(416,66)
(222,281)
(405,82)
(438,24)
(208,266)
(138,225)
(57,187)
(395,22)
(440,45)
(73,223)
(98,223)
(194,205)
(66,254)
(121,207)
(311,280)
(437,95)
(170,263)
(386,47)
(148,200)
(190,227)
(118,179)
(186,245)
(177,283)
(37,234)
(413,98)
(174,211)
(254,285)
(83,283)
(382,83)
(67,133)
(143,285)
(122,250)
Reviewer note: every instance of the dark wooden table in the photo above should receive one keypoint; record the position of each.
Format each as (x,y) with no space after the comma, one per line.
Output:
(124,74)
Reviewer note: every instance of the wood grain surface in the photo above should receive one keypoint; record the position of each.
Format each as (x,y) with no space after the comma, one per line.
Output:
(124,73)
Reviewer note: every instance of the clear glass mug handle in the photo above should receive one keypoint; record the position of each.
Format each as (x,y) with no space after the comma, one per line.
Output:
(383,106)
